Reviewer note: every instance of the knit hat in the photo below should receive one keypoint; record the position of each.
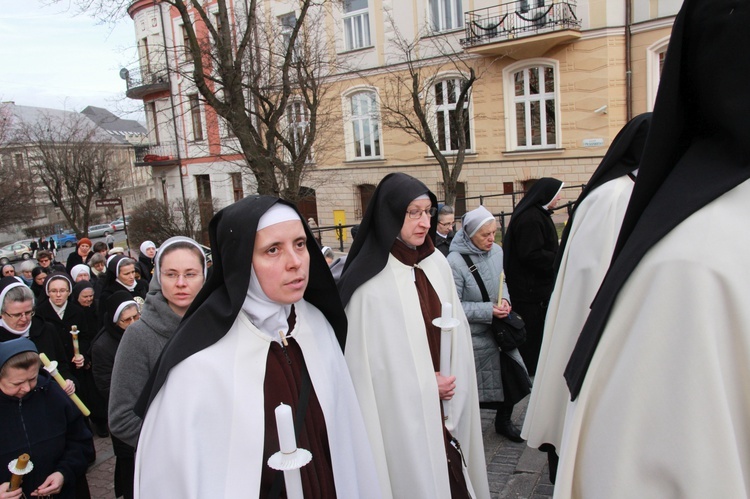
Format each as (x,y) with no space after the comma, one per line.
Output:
(11,348)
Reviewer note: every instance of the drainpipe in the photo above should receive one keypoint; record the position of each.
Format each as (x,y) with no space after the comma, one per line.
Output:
(172,104)
(628,61)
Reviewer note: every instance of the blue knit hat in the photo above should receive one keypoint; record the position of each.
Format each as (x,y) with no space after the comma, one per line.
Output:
(11,348)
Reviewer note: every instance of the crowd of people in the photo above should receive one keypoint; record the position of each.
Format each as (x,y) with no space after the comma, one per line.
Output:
(635,330)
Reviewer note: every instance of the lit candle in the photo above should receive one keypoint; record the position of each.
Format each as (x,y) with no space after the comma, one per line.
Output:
(445,341)
(500,289)
(288,445)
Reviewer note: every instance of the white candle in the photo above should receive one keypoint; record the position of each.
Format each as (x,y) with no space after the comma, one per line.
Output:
(500,289)
(445,341)
(285,428)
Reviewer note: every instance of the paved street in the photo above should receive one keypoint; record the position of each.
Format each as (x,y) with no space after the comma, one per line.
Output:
(514,470)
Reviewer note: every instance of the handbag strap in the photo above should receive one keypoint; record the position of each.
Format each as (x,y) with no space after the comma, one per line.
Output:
(299,419)
(475,272)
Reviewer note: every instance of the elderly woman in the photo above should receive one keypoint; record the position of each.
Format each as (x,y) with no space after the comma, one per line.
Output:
(18,321)
(40,420)
(8,270)
(27,267)
(476,241)
(146,260)
(80,272)
(393,286)
(267,327)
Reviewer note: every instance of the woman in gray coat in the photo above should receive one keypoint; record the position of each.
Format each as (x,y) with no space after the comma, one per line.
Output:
(476,239)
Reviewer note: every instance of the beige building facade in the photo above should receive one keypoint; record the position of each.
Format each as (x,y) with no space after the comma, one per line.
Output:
(556,82)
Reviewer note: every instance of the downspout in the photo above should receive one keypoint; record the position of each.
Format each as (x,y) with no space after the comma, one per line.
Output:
(171,101)
(628,60)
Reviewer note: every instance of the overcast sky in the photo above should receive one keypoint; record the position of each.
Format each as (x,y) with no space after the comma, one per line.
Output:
(53,58)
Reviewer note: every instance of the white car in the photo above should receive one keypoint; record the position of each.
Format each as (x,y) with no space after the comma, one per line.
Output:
(99,230)
(13,252)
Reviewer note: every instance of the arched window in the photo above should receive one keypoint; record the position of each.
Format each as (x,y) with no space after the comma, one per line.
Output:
(532,106)
(362,124)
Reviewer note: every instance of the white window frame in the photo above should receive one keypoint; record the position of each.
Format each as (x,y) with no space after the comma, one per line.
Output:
(286,34)
(446,108)
(653,75)
(511,100)
(445,15)
(354,122)
(297,129)
(357,28)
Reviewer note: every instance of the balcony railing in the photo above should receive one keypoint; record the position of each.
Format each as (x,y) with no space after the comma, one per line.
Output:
(518,19)
(164,154)
(149,80)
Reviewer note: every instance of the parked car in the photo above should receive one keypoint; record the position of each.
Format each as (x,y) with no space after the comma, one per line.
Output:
(65,239)
(119,224)
(100,230)
(13,252)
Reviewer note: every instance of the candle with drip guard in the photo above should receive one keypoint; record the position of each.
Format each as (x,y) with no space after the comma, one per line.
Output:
(445,342)
(285,428)
(15,480)
(76,348)
(287,445)
(60,381)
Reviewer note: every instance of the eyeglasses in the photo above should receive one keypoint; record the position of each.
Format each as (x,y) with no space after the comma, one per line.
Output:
(416,213)
(446,223)
(174,276)
(58,291)
(129,320)
(28,314)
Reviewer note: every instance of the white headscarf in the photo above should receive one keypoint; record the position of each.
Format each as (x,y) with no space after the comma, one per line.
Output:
(268,316)
(473,220)
(78,269)
(146,245)
(25,332)
(169,242)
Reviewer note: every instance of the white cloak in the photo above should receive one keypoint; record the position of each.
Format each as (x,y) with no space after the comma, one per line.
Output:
(664,409)
(203,433)
(584,263)
(389,360)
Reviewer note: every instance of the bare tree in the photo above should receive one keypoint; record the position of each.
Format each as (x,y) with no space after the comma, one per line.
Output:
(156,221)
(411,90)
(75,162)
(262,75)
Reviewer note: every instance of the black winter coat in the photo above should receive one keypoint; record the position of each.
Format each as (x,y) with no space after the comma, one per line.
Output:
(49,427)
(529,265)
(47,341)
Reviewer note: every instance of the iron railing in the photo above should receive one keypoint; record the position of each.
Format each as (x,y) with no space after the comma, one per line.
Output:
(166,151)
(518,19)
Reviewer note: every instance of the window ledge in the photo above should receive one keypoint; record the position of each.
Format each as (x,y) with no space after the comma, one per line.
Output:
(468,154)
(364,160)
(433,34)
(359,49)
(525,152)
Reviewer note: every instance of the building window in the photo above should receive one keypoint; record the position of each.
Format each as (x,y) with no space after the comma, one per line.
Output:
(365,193)
(365,125)
(19,161)
(446,15)
(187,53)
(356,24)
(533,110)
(446,96)
(655,56)
(151,106)
(237,186)
(195,116)
(287,23)
(297,117)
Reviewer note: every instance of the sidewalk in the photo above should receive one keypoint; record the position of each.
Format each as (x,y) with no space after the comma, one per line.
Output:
(514,470)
